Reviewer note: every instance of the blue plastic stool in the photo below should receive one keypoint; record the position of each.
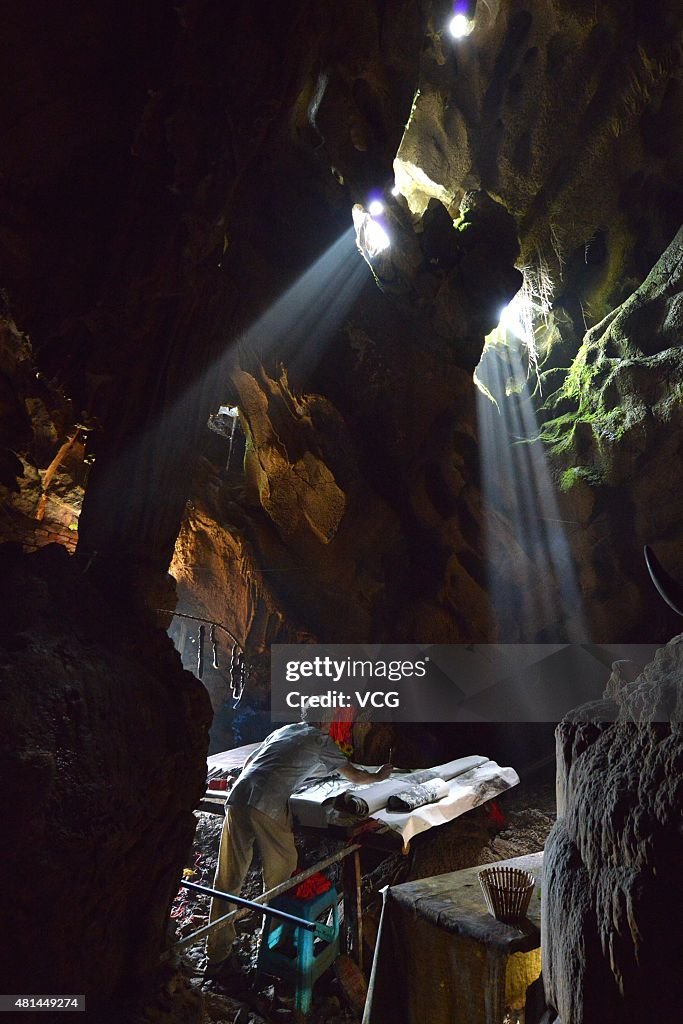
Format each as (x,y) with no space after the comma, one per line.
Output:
(295,954)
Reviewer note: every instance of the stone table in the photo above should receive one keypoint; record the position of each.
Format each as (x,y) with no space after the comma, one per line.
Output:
(441,957)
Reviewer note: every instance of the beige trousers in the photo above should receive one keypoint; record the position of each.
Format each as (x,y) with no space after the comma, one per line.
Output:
(275,843)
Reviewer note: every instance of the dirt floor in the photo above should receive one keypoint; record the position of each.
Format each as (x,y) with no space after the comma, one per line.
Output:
(516,824)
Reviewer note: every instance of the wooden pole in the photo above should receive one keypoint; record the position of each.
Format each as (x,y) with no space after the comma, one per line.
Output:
(353,913)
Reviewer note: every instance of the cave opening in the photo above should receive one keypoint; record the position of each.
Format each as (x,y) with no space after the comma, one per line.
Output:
(342,336)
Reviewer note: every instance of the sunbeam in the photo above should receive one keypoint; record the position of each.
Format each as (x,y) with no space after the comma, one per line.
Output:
(295,331)
(302,321)
(532,580)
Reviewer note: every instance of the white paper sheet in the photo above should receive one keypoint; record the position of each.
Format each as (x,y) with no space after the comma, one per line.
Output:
(464,792)
(471,781)
(312,805)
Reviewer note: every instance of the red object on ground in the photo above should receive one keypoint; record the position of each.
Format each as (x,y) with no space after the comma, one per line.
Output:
(218,784)
(313,886)
(495,814)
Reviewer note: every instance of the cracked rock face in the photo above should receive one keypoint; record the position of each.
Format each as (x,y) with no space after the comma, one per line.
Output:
(612,881)
(293,485)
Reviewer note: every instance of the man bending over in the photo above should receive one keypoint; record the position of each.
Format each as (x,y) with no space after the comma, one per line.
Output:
(257,811)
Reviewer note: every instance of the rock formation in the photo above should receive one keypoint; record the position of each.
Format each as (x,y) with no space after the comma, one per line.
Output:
(614,428)
(534,110)
(102,740)
(612,882)
(43,465)
(591,188)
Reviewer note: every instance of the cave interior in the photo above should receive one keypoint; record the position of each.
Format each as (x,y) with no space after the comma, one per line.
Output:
(349,323)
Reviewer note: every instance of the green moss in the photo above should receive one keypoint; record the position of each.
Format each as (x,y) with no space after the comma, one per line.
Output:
(559,433)
(585,372)
(572,431)
(579,474)
(581,390)
(568,479)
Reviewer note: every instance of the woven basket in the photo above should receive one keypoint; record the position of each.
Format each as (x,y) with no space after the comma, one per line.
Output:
(507,892)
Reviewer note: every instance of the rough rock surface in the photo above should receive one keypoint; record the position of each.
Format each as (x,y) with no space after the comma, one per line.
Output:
(42,451)
(457,274)
(615,428)
(102,740)
(612,886)
(391,547)
(556,108)
(564,173)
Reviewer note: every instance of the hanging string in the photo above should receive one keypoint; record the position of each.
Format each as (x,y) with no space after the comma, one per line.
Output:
(238,673)
(233,672)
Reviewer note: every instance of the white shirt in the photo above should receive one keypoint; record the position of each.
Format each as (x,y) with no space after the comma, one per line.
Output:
(284,760)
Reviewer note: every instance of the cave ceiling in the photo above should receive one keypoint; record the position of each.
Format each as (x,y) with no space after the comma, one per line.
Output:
(176,235)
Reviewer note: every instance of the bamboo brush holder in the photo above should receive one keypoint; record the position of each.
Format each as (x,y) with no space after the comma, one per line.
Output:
(507,892)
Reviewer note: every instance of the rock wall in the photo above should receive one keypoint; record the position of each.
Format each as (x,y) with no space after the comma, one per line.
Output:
(43,466)
(615,430)
(180,171)
(102,741)
(387,543)
(612,880)
(531,108)
(558,110)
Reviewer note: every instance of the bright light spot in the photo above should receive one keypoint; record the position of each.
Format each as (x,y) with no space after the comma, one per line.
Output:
(395,191)
(376,208)
(510,321)
(376,238)
(460,26)
(371,238)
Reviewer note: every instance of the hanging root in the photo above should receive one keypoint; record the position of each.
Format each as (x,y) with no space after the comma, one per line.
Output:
(532,304)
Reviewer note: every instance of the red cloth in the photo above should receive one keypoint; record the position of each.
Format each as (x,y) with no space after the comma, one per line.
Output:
(495,814)
(313,886)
